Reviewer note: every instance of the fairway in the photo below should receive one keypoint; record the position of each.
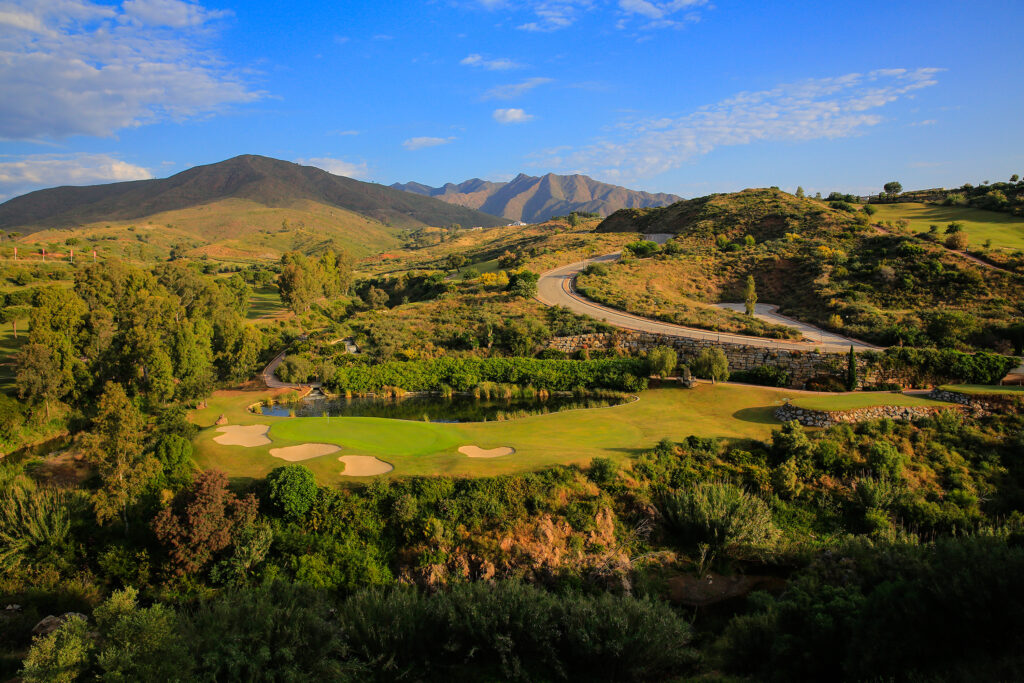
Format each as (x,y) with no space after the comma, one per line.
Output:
(984,389)
(862,400)
(1004,230)
(265,303)
(727,411)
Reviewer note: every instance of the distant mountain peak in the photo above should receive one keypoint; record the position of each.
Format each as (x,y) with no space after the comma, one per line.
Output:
(534,199)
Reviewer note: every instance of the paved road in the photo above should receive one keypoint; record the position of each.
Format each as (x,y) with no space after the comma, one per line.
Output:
(556,288)
(770,314)
(270,375)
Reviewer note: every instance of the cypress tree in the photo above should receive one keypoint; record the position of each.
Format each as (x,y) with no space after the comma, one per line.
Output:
(851,370)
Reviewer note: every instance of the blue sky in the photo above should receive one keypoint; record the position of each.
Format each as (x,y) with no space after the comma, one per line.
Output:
(683,96)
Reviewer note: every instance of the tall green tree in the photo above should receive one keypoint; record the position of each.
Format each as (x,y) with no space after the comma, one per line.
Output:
(115,449)
(750,299)
(851,370)
(40,377)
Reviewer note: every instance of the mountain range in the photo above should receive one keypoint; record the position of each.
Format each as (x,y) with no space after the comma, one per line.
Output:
(248,180)
(533,199)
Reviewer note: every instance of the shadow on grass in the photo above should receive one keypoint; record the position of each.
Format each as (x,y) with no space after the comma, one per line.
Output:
(764,415)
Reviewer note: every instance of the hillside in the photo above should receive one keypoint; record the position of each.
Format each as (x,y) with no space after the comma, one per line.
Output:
(762,213)
(533,199)
(267,182)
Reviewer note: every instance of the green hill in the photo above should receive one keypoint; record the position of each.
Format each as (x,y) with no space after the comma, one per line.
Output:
(762,213)
(267,182)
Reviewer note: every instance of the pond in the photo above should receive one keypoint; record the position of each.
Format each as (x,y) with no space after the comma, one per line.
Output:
(438,408)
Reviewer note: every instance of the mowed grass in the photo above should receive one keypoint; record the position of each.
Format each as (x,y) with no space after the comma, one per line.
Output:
(420,448)
(862,400)
(984,389)
(266,303)
(1004,230)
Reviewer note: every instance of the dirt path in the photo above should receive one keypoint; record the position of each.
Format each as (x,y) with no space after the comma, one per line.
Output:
(270,375)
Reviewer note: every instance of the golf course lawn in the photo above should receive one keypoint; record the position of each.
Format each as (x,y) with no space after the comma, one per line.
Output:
(983,389)
(576,436)
(861,400)
(1003,229)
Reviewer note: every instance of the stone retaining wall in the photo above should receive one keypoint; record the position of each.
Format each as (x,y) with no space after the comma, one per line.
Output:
(985,403)
(829,418)
(801,365)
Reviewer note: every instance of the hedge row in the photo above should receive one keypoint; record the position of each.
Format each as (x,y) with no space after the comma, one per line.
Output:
(462,374)
(937,366)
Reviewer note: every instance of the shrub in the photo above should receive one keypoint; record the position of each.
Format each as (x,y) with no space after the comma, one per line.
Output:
(719,514)
(764,375)
(711,363)
(661,361)
(292,490)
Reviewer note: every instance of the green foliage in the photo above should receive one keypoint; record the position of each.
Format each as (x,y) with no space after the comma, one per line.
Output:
(63,656)
(174,452)
(512,631)
(292,490)
(750,296)
(662,361)
(523,284)
(947,610)
(139,643)
(764,375)
(35,527)
(711,363)
(719,514)
(463,374)
(851,370)
(642,248)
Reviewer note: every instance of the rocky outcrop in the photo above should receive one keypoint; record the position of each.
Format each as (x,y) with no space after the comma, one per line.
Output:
(981,403)
(829,418)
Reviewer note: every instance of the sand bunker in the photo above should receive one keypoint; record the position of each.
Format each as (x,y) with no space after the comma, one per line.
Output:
(477,452)
(243,435)
(305,451)
(363,466)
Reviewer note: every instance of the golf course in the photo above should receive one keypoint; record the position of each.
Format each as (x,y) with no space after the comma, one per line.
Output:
(728,411)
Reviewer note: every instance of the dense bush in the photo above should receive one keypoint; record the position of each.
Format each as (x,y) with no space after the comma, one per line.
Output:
(462,374)
(718,514)
(765,375)
(952,610)
(937,366)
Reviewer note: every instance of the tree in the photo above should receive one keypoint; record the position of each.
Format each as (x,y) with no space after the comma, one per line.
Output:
(115,449)
(293,490)
(174,453)
(711,363)
(751,296)
(1014,178)
(954,227)
(957,241)
(200,522)
(456,261)
(851,370)
(892,188)
(749,241)
(523,284)
(800,192)
(662,361)
(139,643)
(870,209)
(376,298)
(40,377)
(61,656)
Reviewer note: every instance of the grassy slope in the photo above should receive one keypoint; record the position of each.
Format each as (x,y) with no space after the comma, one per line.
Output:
(266,304)
(414,448)
(984,389)
(237,230)
(1004,230)
(861,400)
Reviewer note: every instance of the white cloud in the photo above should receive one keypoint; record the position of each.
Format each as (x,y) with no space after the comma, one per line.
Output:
(808,110)
(77,67)
(512,116)
(172,13)
(514,90)
(34,172)
(340,167)
(413,144)
(500,64)
(553,15)
(926,122)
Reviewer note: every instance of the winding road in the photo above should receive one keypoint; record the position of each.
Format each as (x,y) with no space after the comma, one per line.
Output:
(557,288)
